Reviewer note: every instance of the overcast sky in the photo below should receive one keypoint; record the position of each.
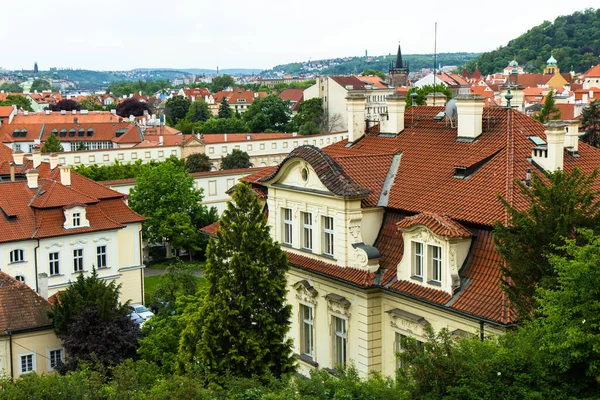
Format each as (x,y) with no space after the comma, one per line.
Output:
(123,34)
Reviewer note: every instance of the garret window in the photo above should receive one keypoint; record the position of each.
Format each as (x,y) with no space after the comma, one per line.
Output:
(286,215)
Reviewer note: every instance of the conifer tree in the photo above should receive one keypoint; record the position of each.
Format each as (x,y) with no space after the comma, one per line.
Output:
(242,324)
(52,145)
(590,123)
(224,109)
(549,110)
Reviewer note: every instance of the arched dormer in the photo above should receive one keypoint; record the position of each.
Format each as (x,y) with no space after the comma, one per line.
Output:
(75,216)
(435,248)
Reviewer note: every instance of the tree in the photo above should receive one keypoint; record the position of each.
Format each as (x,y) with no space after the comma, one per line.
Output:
(241,326)
(222,82)
(92,324)
(40,85)
(236,159)
(309,111)
(165,195)
(66,105)
(309,128)
(267,113)
(198,111)
(131,106)
(224,109)
(224,125)
(374,72)
(52,145)
(17,100)
(198,162)
(423,91)
(176,108)
(590,124)
(559,203)
(11,87)
(549,110)
(91,102)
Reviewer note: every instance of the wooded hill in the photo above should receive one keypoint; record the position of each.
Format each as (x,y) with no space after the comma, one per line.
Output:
(573,40)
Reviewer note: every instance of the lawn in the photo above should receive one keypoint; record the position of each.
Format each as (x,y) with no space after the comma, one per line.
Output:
(165,264)
(150,283)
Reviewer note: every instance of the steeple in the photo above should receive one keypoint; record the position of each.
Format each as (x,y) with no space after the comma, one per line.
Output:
(399,63)
(398,71)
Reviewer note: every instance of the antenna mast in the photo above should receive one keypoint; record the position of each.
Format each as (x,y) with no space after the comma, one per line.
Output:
(434,59)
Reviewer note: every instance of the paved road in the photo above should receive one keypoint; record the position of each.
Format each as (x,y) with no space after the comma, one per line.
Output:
(157,272)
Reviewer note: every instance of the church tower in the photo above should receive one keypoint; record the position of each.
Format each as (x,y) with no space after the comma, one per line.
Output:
(551,66)
(398,72)
(35,68)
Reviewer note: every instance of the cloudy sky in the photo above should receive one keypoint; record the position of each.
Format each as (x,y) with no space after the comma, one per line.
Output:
(123,34)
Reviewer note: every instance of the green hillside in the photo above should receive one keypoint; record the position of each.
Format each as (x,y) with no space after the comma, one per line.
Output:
(574,40)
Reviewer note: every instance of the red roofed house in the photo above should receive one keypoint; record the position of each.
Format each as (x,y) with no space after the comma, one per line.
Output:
(58,225)
(27,339)
(294,96)
(390,232)
(591,78)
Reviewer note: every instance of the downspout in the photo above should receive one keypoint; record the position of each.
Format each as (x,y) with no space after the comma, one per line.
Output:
(9,333)
(37,288)
(481,331)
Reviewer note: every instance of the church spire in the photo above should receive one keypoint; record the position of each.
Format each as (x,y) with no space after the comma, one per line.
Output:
(399,63)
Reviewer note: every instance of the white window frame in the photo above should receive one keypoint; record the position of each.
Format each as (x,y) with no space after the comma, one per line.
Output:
(33,366)
(54,263)
(76,219)
(288,231)
(398,348)
(307,333)
(307,231)
(435,263)
(17,255)
(62,357)
(101,256)
(340,341)
(328,236)
(418,257)
(77,259)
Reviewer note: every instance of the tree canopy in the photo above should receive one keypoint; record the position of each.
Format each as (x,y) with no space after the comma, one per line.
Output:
(65,104)
(11,87)
(198,162)
(176,109)
(224,109)
(224,125)
(198,111)
(40,84)
(423,91)
(236,159)
(269,113)
(590,124)
(17,100)
(309,118)
(221,82)
(549,110)
(52,145)
(241,326)
(374,72)
(132,106)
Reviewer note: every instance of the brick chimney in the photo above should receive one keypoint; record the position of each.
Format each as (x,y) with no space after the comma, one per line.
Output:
(65,175)
(355,104)
(469,110)
(396,105)
(32,178)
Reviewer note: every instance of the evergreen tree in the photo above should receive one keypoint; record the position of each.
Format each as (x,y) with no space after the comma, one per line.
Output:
(559,203)
(549,110)
(52,145)
(198,111)
(224,109)
(237,159)
(590,124)
(241,326)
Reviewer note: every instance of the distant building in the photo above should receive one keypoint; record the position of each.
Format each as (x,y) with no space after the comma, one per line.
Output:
(398,71)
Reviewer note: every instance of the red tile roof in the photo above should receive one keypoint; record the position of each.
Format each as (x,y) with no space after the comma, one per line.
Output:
(353,275)
(211,229)
(91,117)
(20,306)
(438,224)
(593,72)
(344,81)
(5,111)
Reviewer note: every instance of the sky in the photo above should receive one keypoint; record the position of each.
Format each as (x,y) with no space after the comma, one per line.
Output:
(123,34)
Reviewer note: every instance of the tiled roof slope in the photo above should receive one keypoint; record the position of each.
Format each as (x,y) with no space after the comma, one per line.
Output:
(438,224)
(20,306)
(353,275)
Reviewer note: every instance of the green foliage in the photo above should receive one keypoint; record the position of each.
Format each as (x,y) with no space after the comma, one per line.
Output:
(198,111)
(52,145)
(91,102)
(40,84)
(549,110)
(133,107)
(310,114)
(241,327)
(224,125)
(269,112)
(224,109)
(115,171)
(423,91)
(11,87)
(590,124)
(165,195)
(176,108)
(236,159)
(373,72)
(574,40)
(221,82)
(309,128)
(198,162)
(145,87)
(17,100)
(560,202)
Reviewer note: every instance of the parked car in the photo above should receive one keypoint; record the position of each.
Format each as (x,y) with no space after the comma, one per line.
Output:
(135,317)
(141,310)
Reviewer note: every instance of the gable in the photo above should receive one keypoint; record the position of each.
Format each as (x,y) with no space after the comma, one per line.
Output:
(299,174)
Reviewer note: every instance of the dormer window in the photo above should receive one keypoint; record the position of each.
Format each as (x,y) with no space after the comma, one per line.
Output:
(417,268)
(435,254)
(307,231)
(76,219)
(75,216)
(287,226)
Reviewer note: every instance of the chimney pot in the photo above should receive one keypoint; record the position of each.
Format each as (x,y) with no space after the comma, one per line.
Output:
(396,105)
(65,175)
(32,178)
(18,157)
(43,285)
(469,110)
(53,161)
(36,157)
(12,171)
(555,139)
(355,104)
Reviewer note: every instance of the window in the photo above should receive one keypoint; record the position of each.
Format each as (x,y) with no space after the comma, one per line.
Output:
(212,188)
(435,253)
(27,361)
(398,348)
(307,231)
(101,256)
(76,219)
(339,341)
(56,357)
(417,259)
(17,147)
(328,236)
(20,278)
(54,263)
(306,331)
(78,260)
(17,256)
(287,225)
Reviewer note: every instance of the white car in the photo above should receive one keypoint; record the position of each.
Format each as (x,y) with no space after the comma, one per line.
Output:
(141,310)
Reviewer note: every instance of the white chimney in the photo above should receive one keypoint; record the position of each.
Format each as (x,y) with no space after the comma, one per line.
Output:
(555,139)
(160,140)
(435,99)
(355,104)
(396,105)
(572,136)
(225,137)
(53,161)
(74,112)
(36,157)
(43,285)
(32,178)
(65,175)
(18,157)
(469,110)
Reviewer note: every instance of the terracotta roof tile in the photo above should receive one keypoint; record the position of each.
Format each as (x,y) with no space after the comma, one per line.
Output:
(430,294)
(353,275)
(438,224)
(20,306)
